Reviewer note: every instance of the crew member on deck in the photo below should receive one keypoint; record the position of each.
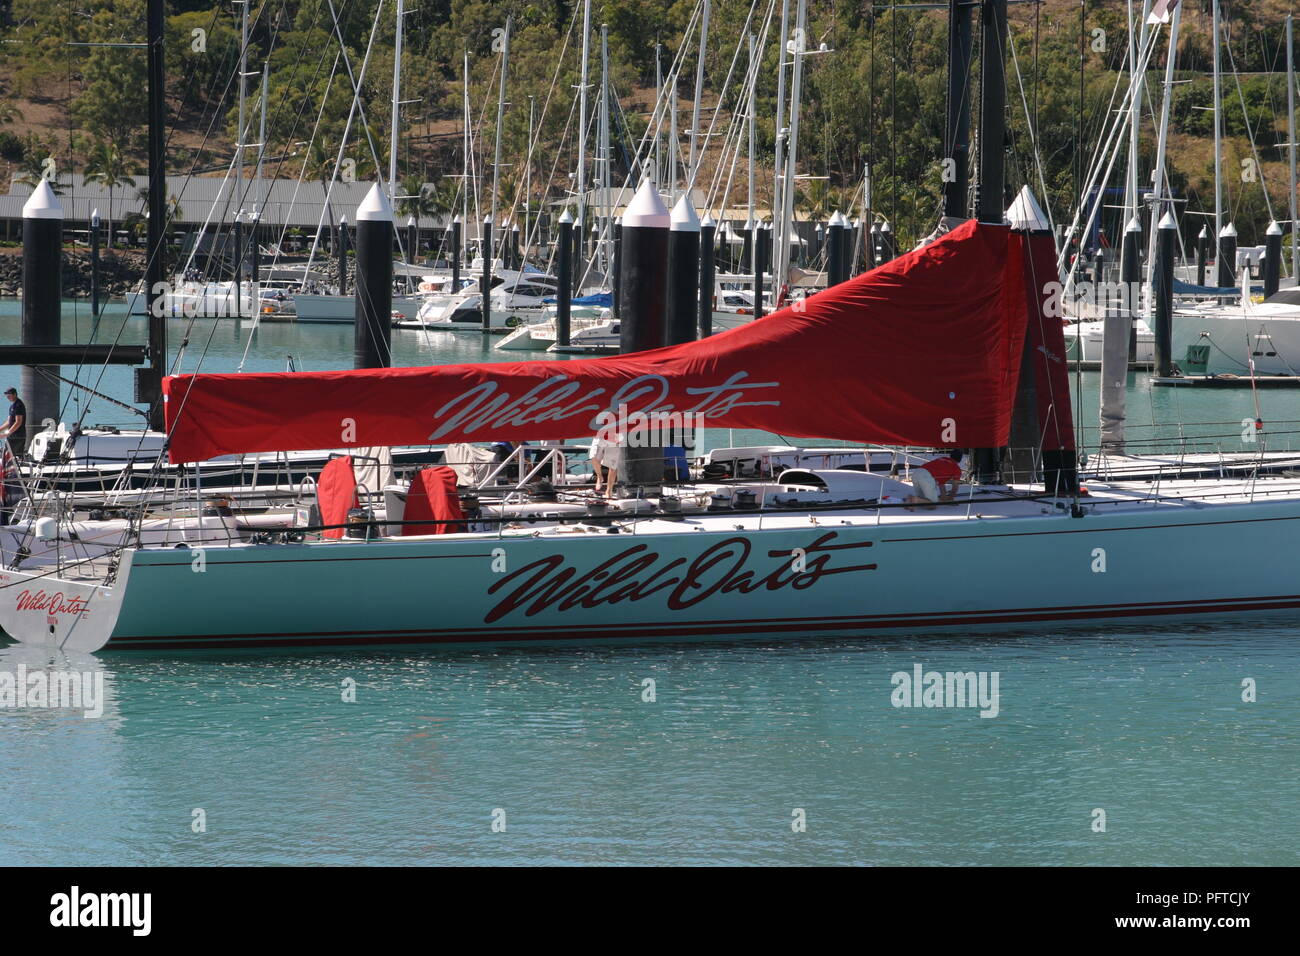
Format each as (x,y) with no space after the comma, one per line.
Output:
(15,428)
(937,480)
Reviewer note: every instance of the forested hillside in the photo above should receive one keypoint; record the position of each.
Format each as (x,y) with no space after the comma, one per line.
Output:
(878,96)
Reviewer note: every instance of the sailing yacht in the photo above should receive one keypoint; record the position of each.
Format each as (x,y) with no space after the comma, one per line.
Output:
(813,550)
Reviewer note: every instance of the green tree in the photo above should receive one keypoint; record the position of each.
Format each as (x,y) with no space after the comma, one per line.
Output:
(106,166)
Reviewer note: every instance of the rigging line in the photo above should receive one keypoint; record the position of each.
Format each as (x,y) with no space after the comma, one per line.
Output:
(731,69)
(1033,139)
(1250,135)
(347,128)
(534,229)
(1109,147)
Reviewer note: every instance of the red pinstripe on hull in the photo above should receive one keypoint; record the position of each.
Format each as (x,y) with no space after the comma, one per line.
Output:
(707,628)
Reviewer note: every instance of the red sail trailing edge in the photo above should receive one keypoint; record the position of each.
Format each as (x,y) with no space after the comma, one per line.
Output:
(924,350)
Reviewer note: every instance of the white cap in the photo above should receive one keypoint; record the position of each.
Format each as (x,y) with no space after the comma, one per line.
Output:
(1204,233)
(1167,221)
(1025,215)
(837,220)
(410,220)
(1273,229)
(1133,225)
(683,218)
(375,208)
(94,216)
(343,220)
(566,217)
(1228,230)
(456,218)
(42,204)
(646,210)
(708,222)
(886,227)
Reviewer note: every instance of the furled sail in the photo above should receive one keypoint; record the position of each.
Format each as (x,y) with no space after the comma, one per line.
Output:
(924,350)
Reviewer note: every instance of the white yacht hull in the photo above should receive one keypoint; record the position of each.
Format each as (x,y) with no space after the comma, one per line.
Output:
(698,577)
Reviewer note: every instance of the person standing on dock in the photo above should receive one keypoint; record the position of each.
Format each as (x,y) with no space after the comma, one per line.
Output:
(15,427)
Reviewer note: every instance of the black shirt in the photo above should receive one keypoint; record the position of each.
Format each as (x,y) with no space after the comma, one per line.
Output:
(16,409)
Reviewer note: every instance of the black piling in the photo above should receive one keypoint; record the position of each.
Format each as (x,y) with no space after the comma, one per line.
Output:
(708,235)
(343,255)
(758,245)
(617,283)
(1163,290)
(485,281)
(1202,254)
(94,266)
(564,276)
(412,240)
(835,251)
(456,227)
(1227,256)
(1272,259)
(42,271)
(1130,273)
(683,274)
(374,293)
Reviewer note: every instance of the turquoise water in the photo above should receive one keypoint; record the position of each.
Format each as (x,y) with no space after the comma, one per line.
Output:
(1146,724)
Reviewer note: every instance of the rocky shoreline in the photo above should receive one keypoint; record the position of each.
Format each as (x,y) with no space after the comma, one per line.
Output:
(119,272)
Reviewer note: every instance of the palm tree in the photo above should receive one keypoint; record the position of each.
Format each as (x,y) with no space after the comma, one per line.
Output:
(106,165)
(417,199)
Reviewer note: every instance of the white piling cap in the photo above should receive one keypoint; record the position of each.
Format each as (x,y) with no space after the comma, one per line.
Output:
(375,208)
(566,218)
(42,204)
(1273,229)
(683,218)
(1228,230)
(1025,215)
(343,220)
(94,217)
(1167,221)
(886,227)
(707,222)
(456,218)
(410,220)
(646,210)
(837,220)
(1204,233)
(1133,225)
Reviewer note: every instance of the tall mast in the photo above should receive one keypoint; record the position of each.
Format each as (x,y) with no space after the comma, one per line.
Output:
(1290,138)
(753,85)
(1218,131)
(672,138)
(496,152)
(581,178)
(261,144)
(792,149)
(243,74)
(528,174)
(397,101)
(465,146)
(1158,175)
(699,88)
(778,163)
(154,287)
(603,146)
(659,97)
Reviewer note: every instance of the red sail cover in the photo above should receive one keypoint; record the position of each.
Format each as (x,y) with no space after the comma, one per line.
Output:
(432,497)
(924,350)
(336,493)
(1046,341)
